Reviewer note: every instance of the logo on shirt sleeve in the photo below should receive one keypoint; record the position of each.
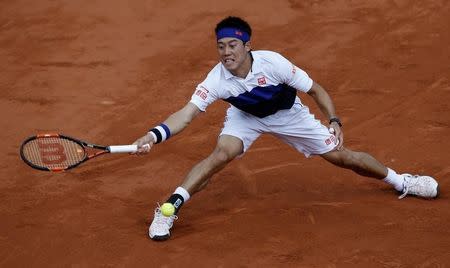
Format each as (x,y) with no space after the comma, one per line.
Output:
(261,81)
(202,92)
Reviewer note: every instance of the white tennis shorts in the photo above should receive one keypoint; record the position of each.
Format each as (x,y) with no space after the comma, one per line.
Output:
(296,127)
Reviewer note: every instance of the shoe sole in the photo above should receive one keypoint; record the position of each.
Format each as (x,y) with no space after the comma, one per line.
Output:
(160,237)
(438,192)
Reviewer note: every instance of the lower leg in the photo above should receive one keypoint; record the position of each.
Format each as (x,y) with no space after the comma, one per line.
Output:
(196,180)
(365,165)
(227,149)
(362,163)
(200,174)
(368,166)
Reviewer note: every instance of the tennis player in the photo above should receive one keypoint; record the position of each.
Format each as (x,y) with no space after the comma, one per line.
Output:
(262,87)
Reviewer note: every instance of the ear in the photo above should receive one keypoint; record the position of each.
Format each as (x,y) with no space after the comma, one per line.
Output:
(248,46)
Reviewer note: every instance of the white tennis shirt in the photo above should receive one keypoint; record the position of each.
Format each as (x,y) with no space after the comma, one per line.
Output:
(270,86)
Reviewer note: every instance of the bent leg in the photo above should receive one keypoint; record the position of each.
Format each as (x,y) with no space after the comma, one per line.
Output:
(362,163)
(228,147)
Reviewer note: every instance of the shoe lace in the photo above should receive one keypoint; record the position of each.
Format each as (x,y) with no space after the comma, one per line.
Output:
(407,185)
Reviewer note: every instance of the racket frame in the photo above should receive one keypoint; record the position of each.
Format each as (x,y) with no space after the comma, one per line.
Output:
(83,144)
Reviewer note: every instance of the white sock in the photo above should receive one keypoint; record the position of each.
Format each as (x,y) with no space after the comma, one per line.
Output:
(185,194)
(394,179)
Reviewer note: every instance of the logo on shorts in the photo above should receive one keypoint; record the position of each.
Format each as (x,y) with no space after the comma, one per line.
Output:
(294,70)
(261,81)
(331,139)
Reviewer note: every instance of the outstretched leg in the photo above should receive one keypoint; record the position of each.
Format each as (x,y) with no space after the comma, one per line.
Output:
(228,147)
(366,165)
(362,163)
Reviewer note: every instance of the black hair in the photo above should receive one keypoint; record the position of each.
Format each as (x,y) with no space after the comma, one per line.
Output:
(234,22)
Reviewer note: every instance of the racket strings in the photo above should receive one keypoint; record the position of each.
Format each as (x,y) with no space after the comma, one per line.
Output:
(53,152)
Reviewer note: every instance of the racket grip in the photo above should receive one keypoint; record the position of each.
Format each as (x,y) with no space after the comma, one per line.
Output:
(122,149)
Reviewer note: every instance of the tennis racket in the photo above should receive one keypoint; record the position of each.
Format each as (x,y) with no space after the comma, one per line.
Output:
(56,152)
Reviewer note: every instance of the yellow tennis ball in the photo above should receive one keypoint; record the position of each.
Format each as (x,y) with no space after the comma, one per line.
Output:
(167,209)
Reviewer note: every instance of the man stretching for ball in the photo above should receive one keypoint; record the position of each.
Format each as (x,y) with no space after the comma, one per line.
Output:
(262,87)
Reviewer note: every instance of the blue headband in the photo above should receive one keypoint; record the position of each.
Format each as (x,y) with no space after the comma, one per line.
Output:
(233,32)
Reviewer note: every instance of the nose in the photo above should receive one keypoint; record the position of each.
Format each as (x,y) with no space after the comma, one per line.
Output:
(227,50)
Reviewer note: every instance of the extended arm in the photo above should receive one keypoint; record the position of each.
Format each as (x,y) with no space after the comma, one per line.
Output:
(323,100)
(181,119)
(176,122)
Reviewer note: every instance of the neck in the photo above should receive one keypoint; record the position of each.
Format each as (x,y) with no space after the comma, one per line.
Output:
(245,68)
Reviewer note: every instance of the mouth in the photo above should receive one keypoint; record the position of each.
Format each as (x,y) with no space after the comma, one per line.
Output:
(228,61)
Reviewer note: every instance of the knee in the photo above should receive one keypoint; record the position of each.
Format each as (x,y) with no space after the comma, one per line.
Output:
(228,147)
(222,156)
(348,159)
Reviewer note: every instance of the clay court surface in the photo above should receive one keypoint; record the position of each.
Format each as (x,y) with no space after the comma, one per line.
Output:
(106,71)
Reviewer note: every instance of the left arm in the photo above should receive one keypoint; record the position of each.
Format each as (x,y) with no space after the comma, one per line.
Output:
(295,77)
(323,100)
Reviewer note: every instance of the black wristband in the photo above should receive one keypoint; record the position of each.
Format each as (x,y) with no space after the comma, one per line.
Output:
(335,119)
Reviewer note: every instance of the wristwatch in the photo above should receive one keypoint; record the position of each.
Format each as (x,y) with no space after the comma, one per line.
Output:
(335,119)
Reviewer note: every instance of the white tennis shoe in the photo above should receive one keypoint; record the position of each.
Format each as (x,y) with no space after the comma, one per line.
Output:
(160,228)
(421,186)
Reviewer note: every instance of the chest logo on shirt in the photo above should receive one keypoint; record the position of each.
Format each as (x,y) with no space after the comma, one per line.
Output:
(261,81)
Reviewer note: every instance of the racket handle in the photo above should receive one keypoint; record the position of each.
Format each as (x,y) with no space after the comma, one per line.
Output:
(122,149)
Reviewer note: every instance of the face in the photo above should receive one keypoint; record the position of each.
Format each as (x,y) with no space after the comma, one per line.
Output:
(233,53)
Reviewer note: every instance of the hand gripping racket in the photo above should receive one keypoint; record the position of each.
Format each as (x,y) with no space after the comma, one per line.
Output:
(56,152)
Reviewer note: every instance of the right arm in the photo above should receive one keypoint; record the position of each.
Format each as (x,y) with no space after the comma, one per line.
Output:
(176,123)
(203,96)
(181,119)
